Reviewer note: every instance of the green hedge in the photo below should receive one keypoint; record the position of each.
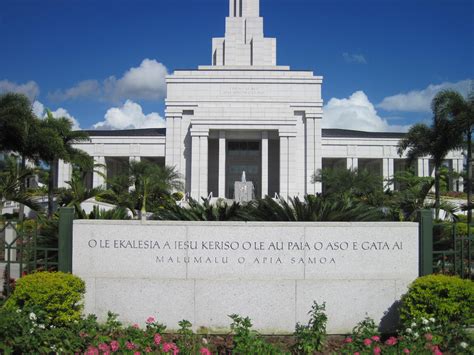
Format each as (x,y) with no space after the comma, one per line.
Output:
(57,294)
(448,299)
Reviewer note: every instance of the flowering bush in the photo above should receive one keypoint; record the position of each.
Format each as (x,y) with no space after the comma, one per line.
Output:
(310,337)
(58,294)
(21,331)
(449,299)
(248,341)
(420,337)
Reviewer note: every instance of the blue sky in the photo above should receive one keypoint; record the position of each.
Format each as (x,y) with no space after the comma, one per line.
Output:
(382,60)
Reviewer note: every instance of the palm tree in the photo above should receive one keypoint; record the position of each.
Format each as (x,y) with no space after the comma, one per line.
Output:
(436,141)
(451,105)
(153,183)
(53,141)
(76,194)
(11,184)
(17,122)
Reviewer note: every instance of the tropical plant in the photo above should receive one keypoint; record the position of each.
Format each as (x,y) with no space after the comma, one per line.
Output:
(77,193)
(17,128)
(361,184)
(54,141)
(205,211)
(118,193)
(451,105)
(12,176)
(146,187)
(435,141)
(117,213)
(153,184)
(312,209)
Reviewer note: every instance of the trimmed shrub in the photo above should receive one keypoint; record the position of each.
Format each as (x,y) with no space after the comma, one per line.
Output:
(448,299)
(58,295)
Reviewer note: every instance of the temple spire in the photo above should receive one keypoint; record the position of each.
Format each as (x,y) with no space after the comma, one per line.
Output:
(244,8)
(244,43)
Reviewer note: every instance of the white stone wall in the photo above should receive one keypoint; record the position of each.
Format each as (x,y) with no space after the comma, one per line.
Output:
(245,101)
(385,149)
(203,272)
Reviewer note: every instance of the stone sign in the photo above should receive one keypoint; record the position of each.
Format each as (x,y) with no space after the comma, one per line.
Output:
(270,272)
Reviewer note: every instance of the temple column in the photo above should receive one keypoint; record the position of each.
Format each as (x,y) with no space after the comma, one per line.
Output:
(458,167)
(423,167)
(264,164)
(352,164)
(222,164)
(199,163)
(287,163)
(313,151)
(100,172)
(388,170)
(284,188)
(132,160)
(64,173)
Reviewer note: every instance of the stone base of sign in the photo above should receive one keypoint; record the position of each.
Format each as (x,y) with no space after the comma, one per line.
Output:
(271,272)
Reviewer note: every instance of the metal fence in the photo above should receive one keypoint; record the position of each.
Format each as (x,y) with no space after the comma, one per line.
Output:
(22,253)
(24,250)
(453,251)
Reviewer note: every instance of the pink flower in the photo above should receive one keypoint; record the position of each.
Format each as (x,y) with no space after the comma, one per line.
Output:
(129,345)
(375,338)
(167,347)
(357,353)
(406,351)
(103,347)
(348,340)
(92,351)
(429,337)
(136,326)
(367,342)
(391,341)
(436,350)
(114,345)
(148,349)
(377,350)
(150,320)
(137,353)
(205,351)
(157,339)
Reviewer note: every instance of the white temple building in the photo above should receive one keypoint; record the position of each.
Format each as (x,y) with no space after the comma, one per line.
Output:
(246,113)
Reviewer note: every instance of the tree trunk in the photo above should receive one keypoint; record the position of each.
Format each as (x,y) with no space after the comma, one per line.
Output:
(469,176)
(52,173)
(437,188)
(21,212)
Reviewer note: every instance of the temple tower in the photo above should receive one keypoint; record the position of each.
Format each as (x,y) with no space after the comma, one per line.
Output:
(244,42)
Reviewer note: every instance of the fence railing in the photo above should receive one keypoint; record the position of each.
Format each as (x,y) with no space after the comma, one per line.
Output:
(454,251)
(23,250)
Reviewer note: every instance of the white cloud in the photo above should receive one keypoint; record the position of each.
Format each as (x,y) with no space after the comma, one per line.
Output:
(30,89)
(148,81)
(354,58)
(86,88)
(145,82)
(420,100)
(39,111)
(129,116)
(357,113)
